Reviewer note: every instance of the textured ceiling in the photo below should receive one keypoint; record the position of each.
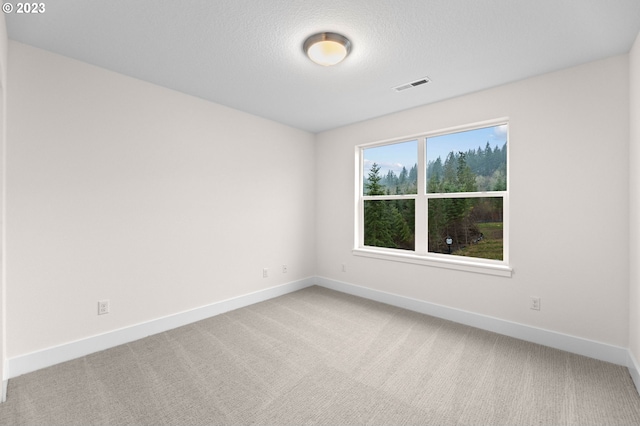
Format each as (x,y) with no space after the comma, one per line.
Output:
(247,54)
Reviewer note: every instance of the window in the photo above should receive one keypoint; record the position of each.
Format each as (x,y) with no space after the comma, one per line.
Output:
(439,199)
(389,188)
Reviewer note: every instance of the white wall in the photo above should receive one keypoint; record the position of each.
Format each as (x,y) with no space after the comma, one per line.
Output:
(160,202)
(569,182)
(634,195)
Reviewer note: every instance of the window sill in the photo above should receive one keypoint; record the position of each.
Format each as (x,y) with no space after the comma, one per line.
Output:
(447,262)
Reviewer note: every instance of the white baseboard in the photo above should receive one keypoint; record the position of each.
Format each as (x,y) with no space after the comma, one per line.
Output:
(47,357)
(5,380)
(576,345)
(634,370)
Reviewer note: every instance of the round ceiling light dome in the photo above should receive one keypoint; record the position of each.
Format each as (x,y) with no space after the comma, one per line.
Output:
(327,48)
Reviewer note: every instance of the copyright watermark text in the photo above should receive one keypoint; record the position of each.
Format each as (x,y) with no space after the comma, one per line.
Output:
(24,7)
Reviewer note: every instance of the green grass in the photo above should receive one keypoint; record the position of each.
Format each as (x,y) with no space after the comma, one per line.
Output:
(491,247)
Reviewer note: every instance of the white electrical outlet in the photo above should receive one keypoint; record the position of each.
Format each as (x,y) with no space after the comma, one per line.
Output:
(534,303)
(284,269)
(265,273)
(103,307)
(344,267)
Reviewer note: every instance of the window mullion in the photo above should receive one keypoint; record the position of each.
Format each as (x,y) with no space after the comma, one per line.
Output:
(359,205)
(421,200)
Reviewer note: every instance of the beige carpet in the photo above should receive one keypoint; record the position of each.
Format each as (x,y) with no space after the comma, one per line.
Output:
(319,356)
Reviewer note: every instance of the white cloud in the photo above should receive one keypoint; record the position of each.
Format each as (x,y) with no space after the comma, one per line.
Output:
(500,132)
(384,167)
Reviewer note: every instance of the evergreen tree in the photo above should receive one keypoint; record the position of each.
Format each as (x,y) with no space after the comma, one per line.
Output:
(413,176)
(466,180)
(387,223)
(412,180)
(377,229)
(435,172)
(374,187)
(376,221)
(402,179)
(450,175)
(402,232)
(391,182)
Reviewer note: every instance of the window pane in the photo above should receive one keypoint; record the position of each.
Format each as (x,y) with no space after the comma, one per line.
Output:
(389,223)
(391,169)
(466,227)
(471,161)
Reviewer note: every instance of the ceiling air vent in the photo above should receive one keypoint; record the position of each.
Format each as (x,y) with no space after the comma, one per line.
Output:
(416,83)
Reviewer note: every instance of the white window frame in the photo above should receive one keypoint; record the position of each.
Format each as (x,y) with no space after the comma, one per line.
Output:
(421,255)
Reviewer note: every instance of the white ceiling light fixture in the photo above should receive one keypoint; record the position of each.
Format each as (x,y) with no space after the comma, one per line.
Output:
(327,48)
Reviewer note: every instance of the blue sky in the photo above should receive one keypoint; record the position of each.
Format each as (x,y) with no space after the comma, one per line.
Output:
(394,157)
